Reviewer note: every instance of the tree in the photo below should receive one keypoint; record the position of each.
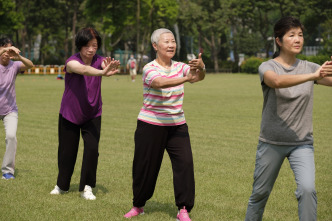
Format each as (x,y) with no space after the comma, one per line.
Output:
(10,18)
(210,20)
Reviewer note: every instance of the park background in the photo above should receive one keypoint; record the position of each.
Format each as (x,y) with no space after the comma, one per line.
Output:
(223,111)
(227,32)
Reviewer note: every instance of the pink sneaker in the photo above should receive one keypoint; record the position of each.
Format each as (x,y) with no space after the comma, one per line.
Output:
(135,211)
(183,215)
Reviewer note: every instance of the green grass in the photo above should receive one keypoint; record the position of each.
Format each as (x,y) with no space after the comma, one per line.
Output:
(223,113)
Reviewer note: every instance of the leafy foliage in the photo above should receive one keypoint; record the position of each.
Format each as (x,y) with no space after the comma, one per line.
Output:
(251,65)
(217,28)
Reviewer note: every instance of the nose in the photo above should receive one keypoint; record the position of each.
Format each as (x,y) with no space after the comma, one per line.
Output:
(172,45)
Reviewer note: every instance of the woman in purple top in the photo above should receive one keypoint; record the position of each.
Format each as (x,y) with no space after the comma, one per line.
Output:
(80,112)
(8,108)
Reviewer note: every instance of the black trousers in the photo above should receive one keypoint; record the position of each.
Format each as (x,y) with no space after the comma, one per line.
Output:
(150,144)
(69,137)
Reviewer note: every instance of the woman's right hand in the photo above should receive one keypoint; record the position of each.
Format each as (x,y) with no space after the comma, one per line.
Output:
(13,52)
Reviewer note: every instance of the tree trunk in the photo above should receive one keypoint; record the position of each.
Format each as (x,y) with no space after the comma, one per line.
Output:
(66,46)
(73,32)
(214,54)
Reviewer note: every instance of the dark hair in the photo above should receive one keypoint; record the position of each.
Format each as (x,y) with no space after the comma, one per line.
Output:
(282,27)
(5,41)
(84,36)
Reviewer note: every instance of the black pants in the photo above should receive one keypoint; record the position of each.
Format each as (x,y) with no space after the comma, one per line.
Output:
(150,144)
(69,137)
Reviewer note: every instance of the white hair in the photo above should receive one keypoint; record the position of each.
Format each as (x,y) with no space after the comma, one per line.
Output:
(156,34)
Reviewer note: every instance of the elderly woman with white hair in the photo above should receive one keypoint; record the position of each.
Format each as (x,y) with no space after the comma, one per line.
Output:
(161,125)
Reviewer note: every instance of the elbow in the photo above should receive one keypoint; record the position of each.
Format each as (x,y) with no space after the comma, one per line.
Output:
(278,85)
(274,84)
(157,85)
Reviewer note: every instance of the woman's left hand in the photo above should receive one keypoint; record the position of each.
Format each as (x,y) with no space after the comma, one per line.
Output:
(111,66)
(197,63)
(326,69)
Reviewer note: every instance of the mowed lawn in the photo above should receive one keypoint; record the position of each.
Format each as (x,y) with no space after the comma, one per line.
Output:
(223,113)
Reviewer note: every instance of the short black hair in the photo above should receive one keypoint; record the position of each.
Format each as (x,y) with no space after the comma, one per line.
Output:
(85,35)
(282,26)
(5,41)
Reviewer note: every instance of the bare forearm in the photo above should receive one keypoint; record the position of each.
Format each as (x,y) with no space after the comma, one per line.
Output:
(90,71)
(201,74)
(327,81)
(284,81)
(83,69)
(162,82)
(27,63)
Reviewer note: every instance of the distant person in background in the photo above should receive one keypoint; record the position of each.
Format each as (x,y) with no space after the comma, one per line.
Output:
(80,112)
(161,126)
(59,77)
(8,108)
(286,127)
(132,67)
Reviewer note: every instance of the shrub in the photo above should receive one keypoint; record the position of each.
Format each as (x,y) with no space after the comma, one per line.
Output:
(251,65)
(318,59)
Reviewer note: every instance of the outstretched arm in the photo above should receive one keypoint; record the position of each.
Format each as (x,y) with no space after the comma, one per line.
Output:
(274,80)
(163,82)
(327,80)
(109,65)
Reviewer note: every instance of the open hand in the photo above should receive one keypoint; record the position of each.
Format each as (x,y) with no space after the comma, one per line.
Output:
(111,66)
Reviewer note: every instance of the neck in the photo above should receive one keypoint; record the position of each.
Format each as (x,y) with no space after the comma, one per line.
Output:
(86,60)
(4,63)
(286,59)
(166,63)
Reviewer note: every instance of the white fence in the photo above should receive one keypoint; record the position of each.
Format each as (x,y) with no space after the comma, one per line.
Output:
(46,69)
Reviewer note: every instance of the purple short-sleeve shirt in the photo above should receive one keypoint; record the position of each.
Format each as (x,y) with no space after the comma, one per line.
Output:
(7,87)
(81,100)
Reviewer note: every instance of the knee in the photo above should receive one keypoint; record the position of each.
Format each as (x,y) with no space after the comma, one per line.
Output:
(187,162)
(260,194)
(306,190)
(11,137)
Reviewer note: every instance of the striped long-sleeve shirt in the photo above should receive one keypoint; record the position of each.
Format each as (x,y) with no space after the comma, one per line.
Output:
(163,106)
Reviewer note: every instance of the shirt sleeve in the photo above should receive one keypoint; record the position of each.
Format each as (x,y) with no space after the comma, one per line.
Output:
(149,74)
(186,69)
(264,67)
(17,66)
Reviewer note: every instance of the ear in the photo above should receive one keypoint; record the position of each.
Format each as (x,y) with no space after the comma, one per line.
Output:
(154,45)
(279,43)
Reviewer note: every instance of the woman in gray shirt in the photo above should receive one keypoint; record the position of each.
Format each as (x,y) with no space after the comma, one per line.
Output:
(286,127)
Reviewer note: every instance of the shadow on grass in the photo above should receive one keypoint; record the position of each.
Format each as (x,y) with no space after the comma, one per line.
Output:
(18,171)
(156,207)
(75,187)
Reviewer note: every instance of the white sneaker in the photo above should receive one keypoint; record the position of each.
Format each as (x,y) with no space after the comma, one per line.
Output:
(87,193)
(57,191)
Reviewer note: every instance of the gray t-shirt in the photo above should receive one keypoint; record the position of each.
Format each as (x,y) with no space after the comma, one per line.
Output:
(287,112)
